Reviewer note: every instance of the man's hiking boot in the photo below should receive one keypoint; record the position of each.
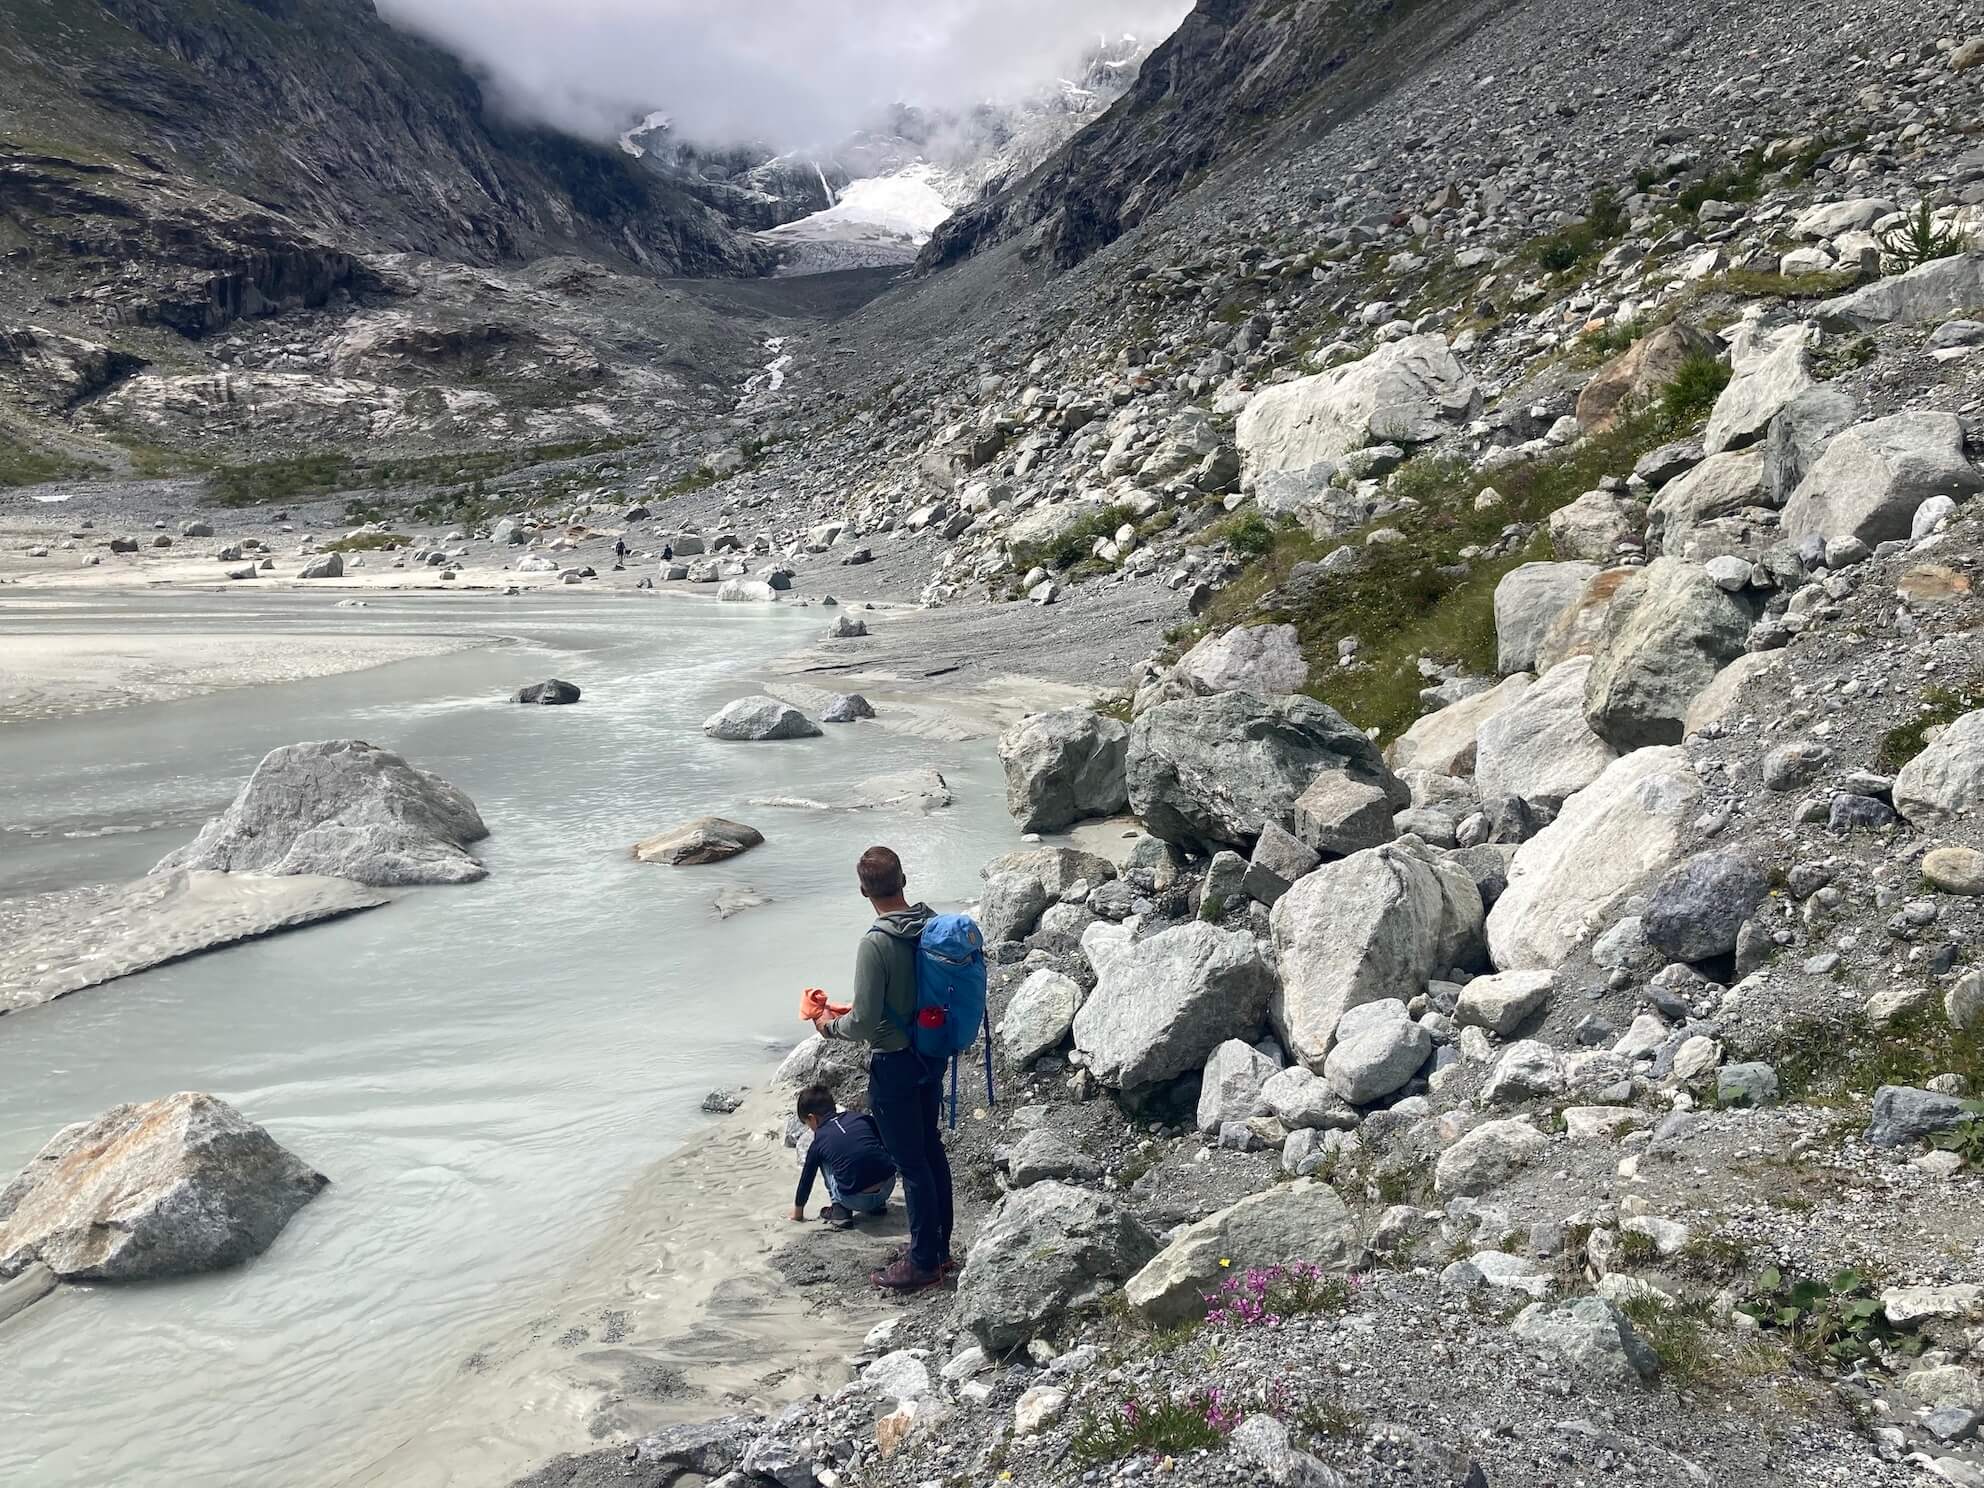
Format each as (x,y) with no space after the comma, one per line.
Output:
(839,1216)
(901,1276)
(946,1267)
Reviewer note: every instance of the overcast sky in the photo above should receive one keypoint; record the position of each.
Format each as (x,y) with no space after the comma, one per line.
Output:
(792,72)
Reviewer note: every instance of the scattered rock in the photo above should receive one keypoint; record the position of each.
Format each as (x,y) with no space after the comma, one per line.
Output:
(1046,1251)
(552,692)
(759,718)
(707,839)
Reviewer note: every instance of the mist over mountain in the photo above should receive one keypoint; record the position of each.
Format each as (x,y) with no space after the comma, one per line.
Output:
(794,73)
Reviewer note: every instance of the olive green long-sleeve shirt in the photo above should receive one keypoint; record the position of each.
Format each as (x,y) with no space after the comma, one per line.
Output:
(884,982)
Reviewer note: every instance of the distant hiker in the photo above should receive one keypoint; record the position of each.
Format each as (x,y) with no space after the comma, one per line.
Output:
(903,1086)
(667,551)
(619,547)
(847,1152)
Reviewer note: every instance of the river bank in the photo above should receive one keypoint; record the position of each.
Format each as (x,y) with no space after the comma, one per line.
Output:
(479,1070)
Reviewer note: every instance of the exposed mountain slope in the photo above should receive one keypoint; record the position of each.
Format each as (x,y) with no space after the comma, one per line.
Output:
(321,112)
(1234,73)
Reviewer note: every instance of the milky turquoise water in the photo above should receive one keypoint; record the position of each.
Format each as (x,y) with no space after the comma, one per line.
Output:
(480,1070)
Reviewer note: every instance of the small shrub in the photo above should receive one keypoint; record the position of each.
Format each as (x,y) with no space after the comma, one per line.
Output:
(694,480)
(1679,1333)
(1940,706)
(1329,1418)
(285,479)
(1248,533)
(1822,1060)
(21,465)
(1839,1321)
(1265,1296)
(1164,1427)
(1072,544)
(1966,1138)
(1918,240)
(1697,383)
(1565,249)
(1760,284)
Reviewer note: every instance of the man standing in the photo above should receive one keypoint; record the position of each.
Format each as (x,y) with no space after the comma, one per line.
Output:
(903,1088)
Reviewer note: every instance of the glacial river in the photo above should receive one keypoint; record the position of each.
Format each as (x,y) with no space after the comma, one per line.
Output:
(479,1070)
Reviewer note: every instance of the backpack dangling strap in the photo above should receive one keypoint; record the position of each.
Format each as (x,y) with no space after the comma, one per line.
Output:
(954,1092)
(985,1032)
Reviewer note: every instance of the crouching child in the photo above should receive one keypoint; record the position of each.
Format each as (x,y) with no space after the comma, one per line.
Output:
(846,1152)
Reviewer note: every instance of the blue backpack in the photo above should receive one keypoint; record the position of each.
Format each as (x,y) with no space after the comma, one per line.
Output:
(950,998)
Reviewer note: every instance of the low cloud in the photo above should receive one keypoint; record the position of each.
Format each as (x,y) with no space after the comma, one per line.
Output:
(792,73)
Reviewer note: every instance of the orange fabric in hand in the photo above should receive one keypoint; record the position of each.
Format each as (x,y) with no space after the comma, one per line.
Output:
(813,1002)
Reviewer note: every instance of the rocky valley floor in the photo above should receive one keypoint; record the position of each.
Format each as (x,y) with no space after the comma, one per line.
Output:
(1493,995)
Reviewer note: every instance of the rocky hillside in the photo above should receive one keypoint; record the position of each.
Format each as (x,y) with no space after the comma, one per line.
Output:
(319,112)
(1525,1027)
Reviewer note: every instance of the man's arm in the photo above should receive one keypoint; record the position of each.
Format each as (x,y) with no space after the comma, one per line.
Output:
(861,1022)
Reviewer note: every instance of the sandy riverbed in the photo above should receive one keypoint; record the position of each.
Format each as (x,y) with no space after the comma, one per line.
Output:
(677,1313)
(56,674)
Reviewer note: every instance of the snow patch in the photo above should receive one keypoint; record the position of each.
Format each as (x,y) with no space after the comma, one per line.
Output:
(648,125)
(905,204)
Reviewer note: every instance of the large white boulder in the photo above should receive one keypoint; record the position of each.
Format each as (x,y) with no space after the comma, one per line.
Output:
(1933,291)
(1769,369)
(1208,772)
(1406,392)
(1445,742)
(1039,1016)
(1667,632)
(1048,1249)
(1943,786)
(1263,659)
(1490,1154)
(1374,925)
(1231,1088)
(1527,600)
(1161,1005)
(1377,1049)
(1540,749)
(759,718)
(1063,766)
(171,1187)
(1873,476)
(1721,486)
(1609,839)
(1289,1222)
(344,808)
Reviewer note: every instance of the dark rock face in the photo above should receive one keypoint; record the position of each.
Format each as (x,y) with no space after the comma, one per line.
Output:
(400,154)
(1230,68)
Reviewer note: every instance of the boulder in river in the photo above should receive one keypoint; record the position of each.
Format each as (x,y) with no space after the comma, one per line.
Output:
(345,808)
(847,707)
(759,718)
(707,839)
(1062,766)
(548,693)
(178,1185)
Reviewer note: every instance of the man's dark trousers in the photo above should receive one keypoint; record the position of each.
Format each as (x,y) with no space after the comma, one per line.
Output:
(904,1094)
